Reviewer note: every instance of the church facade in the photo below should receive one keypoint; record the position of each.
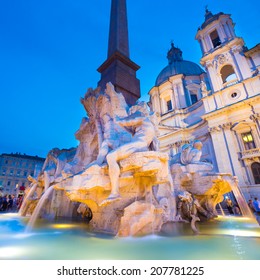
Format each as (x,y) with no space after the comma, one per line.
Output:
(219,105)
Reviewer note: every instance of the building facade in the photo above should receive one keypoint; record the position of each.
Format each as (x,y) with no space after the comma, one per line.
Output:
(14,170)
(219,105)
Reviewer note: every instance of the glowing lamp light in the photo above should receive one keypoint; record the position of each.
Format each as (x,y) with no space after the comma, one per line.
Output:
(245,233)
(248,138)
(63,226)
(10,215)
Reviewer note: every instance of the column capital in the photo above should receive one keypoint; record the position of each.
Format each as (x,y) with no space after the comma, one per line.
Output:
(226,125)
(255,117)
(214,129)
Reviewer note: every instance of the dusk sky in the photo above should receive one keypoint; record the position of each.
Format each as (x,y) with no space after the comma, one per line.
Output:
(50,50)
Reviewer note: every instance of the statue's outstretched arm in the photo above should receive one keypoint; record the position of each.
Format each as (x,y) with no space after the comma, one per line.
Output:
(134,119)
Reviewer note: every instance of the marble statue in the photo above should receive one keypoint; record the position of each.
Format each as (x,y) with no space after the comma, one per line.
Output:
(190,154)
(102,108)
(54,165)
(117,180)
(87,149)
(143,131)
(203,88)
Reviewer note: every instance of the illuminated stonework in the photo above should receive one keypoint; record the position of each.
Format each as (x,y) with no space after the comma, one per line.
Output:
(227,106)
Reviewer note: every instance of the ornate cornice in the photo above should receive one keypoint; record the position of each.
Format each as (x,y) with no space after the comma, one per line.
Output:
(181,143)
(246,102)
(226,126)
(255,117)
(214,129)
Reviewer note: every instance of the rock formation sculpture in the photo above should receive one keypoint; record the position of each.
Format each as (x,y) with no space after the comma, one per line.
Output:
(117,180)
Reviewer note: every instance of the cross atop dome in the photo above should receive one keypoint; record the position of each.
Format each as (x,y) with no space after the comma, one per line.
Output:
(208,13)
(174,54)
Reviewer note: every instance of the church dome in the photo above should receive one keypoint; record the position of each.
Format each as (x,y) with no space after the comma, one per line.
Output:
(177,66)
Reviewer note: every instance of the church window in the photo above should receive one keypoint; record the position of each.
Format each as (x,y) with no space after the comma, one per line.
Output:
(194,98)
(3,172)
(233,95)
(255,167)
(11,173)
(169,105)
(248,140)
(215,38)
(8,183)
(228,74)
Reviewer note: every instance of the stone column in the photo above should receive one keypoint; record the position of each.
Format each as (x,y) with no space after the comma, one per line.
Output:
(156,103)
(241,63)
(220,149)
(212,76)
(231,28)
(227,30)
(202,44)
(221,34)
(208,42)
(255,118)
(233,150)
(180,95)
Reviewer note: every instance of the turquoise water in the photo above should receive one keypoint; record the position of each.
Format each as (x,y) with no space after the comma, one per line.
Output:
(227,238)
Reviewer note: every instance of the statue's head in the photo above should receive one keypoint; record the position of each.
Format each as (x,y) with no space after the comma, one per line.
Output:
(55,152)
(197,144)
(141,107)
(185,196)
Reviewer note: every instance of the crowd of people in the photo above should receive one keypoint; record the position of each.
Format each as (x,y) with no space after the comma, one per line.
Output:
(10,203)
(254,206)
(232,207)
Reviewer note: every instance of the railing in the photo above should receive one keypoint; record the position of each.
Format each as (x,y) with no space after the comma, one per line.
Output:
(250,153)
(230,83)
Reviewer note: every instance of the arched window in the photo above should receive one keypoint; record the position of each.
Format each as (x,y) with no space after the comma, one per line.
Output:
(169,105)
(248,140)
(194,98)
(256,172)
(215,38)
(228,74)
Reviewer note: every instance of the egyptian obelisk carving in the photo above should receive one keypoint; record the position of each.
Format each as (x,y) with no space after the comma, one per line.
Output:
(118,68)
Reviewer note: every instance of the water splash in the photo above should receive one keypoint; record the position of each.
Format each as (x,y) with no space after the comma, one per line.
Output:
(38,209)
(24,205)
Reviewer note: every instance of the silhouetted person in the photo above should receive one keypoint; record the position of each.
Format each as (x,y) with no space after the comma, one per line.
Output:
(256,205)
(251,206)
(229,204)
(4,205)
(10,202)
(1,202)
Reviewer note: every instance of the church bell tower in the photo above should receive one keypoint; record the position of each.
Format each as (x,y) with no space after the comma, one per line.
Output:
(222,51)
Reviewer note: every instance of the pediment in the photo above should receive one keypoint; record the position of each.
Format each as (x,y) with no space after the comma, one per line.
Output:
(242,126)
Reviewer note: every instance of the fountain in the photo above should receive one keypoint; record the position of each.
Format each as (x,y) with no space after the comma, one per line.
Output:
(118,179)
(116,196)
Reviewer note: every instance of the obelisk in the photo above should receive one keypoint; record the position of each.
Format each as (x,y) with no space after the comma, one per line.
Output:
(118,68)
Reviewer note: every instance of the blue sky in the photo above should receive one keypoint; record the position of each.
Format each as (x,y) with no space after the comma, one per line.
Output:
(50,50)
